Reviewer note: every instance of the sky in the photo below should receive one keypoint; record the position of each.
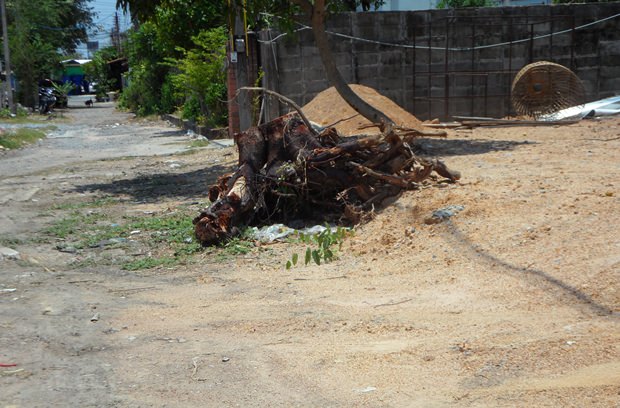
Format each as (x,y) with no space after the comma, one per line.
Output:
(104,21)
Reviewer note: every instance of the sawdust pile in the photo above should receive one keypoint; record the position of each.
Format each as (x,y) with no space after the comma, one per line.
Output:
(328,107)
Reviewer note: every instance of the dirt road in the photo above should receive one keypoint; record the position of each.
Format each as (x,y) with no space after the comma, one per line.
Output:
(513,302)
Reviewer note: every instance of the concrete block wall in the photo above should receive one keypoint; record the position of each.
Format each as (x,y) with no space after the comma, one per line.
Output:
(474,82)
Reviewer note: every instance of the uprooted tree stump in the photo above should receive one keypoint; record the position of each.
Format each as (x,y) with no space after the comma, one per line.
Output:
(287,172)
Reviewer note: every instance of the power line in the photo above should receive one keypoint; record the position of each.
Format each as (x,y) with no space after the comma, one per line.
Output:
(422,47)
(101,20)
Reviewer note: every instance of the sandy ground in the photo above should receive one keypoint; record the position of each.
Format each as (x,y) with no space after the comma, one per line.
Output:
(513,302)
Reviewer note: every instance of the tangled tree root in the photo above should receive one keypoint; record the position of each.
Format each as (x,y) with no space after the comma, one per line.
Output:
(287,172)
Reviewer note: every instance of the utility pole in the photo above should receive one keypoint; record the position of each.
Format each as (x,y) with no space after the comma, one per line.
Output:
(7,59)
(116,34)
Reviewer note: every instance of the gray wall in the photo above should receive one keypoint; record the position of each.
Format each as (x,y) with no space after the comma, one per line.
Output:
(433,71)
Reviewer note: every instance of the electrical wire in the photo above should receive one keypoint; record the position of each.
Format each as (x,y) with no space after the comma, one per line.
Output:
(422,47)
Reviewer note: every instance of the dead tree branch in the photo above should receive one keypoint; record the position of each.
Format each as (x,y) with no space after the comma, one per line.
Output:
(286,172)
(283,99)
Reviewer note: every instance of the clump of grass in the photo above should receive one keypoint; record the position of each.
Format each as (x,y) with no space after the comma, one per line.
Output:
(237,246)
(199,143)
(148,263)
(16,138)
(96,203)
(20,114)
(188,152)
(73,224)
(169,234)
(233,247)
(5,241)
(23,117)
(175,227)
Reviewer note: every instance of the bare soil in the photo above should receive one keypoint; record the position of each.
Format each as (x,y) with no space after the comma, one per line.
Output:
(328,108)
(513,301)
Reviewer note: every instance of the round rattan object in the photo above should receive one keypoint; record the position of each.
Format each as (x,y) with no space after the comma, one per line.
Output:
(545,87)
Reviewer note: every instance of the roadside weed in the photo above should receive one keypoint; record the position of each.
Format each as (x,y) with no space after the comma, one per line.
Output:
(322,247)
(169,235)
(98,202)
(199,143)
(5,241)
(239,245)
(16,138)
(75,222)
(148,263)
(100,232)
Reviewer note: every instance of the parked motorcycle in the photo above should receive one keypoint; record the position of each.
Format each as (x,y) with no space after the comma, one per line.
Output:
(47,100)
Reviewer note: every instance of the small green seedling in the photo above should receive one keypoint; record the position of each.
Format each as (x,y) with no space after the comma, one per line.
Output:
(325,242)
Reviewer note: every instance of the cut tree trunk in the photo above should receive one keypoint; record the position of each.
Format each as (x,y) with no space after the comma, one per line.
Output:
(286,172)
(317,13)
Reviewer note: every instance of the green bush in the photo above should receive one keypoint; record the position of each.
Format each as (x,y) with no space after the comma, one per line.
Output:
(140,96)
(191,110)
(145,55)
(98,70)
(169,100)
(20,112)
(200,77)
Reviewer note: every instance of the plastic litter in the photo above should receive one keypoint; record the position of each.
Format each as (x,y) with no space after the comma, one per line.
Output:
(448,211)
(444,214)
(271,233)
(277,232)
(603,107)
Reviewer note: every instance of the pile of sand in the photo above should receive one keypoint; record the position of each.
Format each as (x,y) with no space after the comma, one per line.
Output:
(329,107)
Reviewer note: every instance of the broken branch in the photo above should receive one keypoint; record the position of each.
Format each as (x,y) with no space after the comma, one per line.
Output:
(287,172)
(283,99)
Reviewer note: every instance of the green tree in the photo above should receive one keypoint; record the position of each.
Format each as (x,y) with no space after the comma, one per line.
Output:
(40,34)
(98,70)
(316,11)
(140,10)
(179,21)
(443,4)
(145,54)
(201,75)
(166,32)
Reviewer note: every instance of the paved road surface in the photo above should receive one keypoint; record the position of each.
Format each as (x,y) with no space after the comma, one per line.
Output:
(96,133)
(93,133)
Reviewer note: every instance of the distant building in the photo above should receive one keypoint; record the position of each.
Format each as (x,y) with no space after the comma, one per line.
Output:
(117,68)
(73,71)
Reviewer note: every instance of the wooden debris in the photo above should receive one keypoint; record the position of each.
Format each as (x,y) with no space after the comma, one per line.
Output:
(445,125)
(481,121)
(286,172)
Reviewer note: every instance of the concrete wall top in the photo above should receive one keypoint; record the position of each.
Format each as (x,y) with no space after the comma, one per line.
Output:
(454,61)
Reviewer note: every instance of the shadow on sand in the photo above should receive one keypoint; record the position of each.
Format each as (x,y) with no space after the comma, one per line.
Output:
(153,187)
(533,276)
(460,147)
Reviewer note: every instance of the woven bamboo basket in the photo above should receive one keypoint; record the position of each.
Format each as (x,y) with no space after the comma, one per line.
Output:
(544,87)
